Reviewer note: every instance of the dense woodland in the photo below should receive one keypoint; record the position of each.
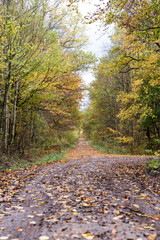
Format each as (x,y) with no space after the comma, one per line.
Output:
(41,56)
(40,86)
(124,112)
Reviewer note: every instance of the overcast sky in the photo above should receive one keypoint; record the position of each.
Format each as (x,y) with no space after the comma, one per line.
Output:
(99,41)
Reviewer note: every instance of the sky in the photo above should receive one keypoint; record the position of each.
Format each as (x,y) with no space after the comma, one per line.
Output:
(99,40)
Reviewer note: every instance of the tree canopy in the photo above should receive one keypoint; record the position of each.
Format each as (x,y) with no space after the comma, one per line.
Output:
(125,97)
(41,56)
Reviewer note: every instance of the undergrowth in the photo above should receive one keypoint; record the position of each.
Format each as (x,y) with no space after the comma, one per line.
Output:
(108,149)
(153,165)
(38,155)
(16,162)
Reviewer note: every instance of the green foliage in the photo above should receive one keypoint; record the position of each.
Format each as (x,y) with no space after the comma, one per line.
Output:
(51,157)
(59,140)
(109,148)
(149,151)
(125,97)
(17,162)
(40,89)
(153,165)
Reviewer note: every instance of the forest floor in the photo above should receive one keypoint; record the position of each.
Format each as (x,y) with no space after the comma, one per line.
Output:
(89,195)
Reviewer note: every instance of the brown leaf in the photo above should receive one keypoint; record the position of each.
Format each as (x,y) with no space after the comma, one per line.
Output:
(114,231)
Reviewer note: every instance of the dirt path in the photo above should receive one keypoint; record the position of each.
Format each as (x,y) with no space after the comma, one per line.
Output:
(91,196)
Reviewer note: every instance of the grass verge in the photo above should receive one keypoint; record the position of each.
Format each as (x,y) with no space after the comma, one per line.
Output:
(108,149)
(35,156)
(153,165)
(15,162)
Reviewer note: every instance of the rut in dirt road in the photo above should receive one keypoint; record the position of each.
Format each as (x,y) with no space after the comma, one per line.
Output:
(91,196)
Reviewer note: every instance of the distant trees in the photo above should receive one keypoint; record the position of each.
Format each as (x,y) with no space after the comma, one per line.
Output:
(125,98)
(40,56)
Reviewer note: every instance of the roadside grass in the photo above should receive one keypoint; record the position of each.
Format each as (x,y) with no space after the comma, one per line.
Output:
(34,157)
(15,162)
(38,155)
(51,157)
(153,165)
(109,149)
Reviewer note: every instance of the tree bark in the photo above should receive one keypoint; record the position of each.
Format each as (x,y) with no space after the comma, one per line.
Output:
(15,112)
(6,125)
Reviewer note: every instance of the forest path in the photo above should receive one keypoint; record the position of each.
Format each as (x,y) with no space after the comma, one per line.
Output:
(91,196)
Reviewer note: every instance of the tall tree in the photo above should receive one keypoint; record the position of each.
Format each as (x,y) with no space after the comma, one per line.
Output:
(136,65)
(38,54)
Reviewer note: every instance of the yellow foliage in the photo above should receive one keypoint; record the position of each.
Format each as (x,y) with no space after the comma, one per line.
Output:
(125,139)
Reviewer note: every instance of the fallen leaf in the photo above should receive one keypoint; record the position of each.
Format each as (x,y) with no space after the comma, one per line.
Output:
(118,212)
(152,237)
(136,205)
(88,236)
(53,219)
(150,228)
(86,205)
(43,238)
(39,214)
(155,217)
(75,213)
(19,229)
(114,231)
(118,217)
(33,223)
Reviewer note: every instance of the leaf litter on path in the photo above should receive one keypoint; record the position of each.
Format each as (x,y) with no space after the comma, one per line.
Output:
(89,196)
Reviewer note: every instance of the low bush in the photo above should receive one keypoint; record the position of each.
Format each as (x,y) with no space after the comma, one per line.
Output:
(153,165)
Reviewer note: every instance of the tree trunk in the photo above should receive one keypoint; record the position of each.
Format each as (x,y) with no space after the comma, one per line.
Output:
(6,125)
(15,112)
(34,130)
(148,134)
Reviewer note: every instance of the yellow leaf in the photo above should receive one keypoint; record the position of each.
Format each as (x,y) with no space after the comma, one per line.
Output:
(136,206)
(152,237)
(75,213)
(118,212)
(150,228)
(88,236)
(86,205)
(64,160)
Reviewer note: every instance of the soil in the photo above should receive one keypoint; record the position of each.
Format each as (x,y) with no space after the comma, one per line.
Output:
(89,195)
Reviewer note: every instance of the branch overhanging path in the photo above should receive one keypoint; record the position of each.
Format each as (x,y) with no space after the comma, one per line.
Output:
(90,196)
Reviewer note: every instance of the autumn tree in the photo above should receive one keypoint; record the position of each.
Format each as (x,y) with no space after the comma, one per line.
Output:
(135,63)
(40,55)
